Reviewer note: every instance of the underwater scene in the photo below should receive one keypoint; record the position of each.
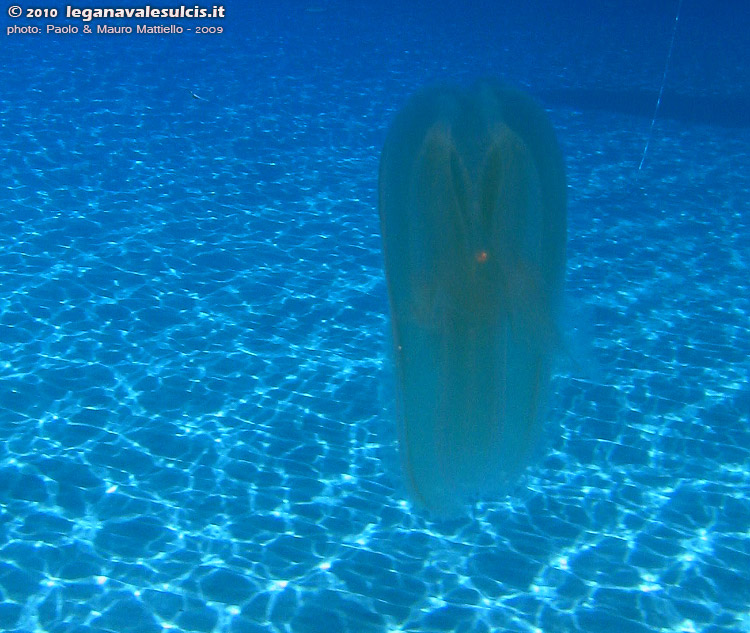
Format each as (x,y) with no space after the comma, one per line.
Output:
(375,317)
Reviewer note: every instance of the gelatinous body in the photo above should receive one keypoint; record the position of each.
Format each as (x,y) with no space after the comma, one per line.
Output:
(473,219)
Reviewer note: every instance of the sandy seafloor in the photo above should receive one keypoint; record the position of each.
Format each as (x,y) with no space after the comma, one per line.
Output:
(196,419)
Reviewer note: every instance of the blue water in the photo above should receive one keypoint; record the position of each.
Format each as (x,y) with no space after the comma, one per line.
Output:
(196,418)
